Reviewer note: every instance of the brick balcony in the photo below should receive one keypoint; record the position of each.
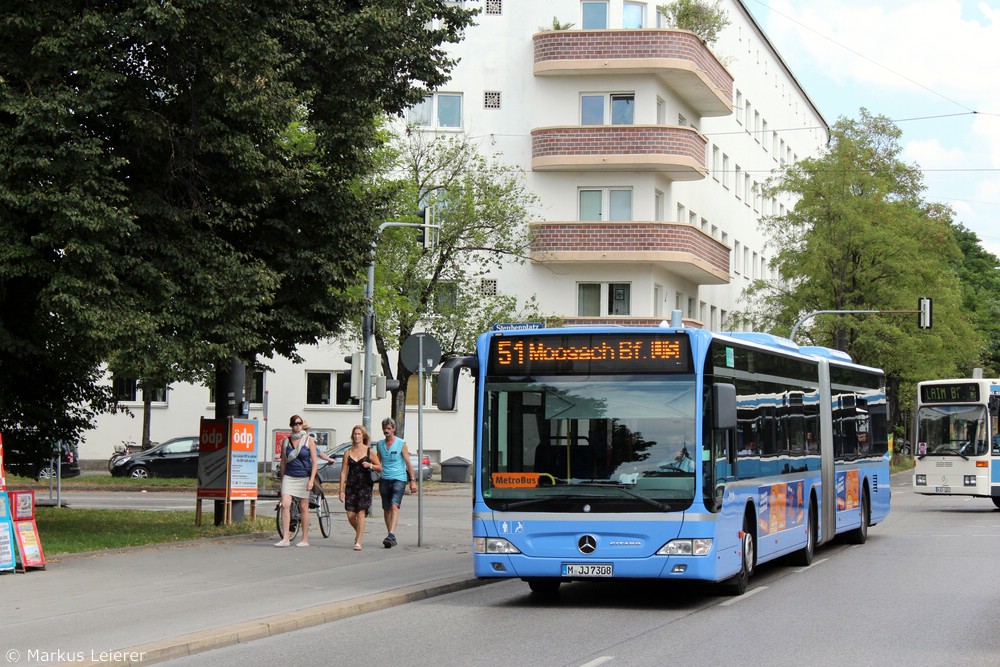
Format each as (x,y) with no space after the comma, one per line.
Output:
(677,152)
(678,57)
(679,247)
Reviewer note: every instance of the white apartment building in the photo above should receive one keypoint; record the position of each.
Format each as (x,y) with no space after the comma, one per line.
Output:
(647,149)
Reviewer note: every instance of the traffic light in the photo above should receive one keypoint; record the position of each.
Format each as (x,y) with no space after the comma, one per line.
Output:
(924,308)
(427,234)
(357,379)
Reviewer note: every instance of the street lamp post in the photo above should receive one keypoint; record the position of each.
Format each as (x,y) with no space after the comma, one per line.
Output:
(368,323)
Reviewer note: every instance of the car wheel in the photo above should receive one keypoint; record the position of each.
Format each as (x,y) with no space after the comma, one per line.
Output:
(46,472)
(139,472)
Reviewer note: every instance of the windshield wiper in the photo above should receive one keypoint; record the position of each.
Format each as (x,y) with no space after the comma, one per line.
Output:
(614,485)
(944,451)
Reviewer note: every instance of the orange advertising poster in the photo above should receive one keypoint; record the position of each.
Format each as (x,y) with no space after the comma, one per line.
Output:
(853,488)
(29,547)
(515,480)
(779,498)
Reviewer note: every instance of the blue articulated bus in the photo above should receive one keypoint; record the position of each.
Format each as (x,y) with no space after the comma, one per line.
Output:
(666,453)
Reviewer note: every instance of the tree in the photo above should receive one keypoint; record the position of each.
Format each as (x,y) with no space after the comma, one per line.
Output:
(979,274)
(482,207)
(860,238)
(704,19)
(156,215)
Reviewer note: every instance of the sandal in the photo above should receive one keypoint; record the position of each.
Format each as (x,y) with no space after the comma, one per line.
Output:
(282,543)
(357,547)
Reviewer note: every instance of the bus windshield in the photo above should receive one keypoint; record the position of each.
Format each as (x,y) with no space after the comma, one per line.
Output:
(952,430)
(616,443)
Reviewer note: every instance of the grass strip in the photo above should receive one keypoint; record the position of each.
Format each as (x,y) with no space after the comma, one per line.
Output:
(67,530)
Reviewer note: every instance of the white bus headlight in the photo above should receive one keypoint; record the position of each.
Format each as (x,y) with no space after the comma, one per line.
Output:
(699,546)
(493,545)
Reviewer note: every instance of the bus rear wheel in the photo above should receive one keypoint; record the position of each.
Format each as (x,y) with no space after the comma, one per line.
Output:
(804,556)
(996,501)
(860,534)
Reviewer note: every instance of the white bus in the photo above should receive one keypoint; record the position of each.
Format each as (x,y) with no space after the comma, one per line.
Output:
(958,439)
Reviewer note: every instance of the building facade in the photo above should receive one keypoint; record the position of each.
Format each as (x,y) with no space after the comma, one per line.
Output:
(648,150)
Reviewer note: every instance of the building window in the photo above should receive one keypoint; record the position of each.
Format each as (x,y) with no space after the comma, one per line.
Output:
(126,390)
(329,388)
(445,298)
(606,204)
(442,110)
(595,15)
(588,300)
(658,206)
(619,299)
(607,109)
(318,388)
(494,7)
(725,170)
(633,14)
(657,300)
(413,392)
(488,287)
(257,388)
(617,296)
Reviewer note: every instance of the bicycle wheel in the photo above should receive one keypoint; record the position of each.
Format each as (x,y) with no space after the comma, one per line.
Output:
(293,523)
(323,514)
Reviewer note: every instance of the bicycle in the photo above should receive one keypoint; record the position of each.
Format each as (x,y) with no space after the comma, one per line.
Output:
(121,451)
(317,501)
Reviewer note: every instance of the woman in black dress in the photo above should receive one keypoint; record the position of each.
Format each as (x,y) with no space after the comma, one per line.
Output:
(356,481)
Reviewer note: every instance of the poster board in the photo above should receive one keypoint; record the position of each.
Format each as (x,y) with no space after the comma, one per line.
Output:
(29,545)
(3,478)
(227,463)
(7,561)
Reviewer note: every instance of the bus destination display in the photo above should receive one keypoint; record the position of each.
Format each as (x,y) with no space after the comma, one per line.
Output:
(960,392)
(589,353)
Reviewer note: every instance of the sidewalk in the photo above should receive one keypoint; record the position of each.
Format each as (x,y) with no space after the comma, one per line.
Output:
(162,602)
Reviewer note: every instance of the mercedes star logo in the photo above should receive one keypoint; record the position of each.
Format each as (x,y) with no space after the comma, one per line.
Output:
(587,544)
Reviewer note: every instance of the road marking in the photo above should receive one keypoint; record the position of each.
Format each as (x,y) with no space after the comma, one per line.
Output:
(752,591)
(814,564)
(598,661)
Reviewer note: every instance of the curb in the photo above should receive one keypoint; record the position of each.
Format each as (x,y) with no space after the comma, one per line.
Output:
(269,626)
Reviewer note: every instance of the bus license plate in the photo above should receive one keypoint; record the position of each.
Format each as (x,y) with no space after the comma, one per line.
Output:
(942,489)
(587,570)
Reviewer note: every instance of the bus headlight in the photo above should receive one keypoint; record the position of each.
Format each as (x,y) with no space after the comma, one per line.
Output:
(970,480)
(493,545)
(699,546)
(920,480)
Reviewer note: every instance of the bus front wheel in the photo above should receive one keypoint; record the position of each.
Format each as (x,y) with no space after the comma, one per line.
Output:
(737,584)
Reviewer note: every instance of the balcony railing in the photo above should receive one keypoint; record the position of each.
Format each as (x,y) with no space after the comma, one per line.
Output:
(680,248)
(680,58)
(675,151)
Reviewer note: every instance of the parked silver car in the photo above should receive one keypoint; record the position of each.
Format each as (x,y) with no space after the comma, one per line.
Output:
(331,472)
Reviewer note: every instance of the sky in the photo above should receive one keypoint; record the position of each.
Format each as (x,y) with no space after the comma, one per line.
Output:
(930,66)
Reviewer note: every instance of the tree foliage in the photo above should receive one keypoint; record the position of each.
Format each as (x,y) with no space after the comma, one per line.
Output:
(703,18)
(482,206)
(156,212)
(861,238)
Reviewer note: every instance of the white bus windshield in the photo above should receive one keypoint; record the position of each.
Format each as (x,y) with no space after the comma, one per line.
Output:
(952,430)
(622,441)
